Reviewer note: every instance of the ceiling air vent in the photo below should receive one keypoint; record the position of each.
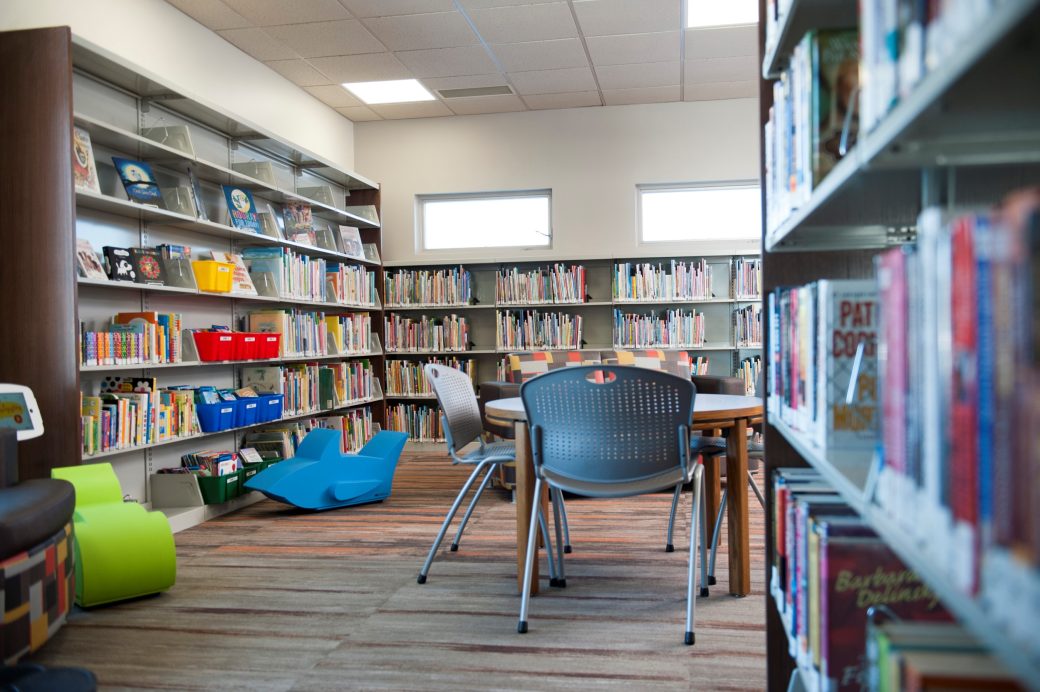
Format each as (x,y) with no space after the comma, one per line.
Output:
(475,91)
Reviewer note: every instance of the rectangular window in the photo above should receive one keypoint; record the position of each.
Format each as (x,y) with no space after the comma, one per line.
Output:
(478,220)
(677,213)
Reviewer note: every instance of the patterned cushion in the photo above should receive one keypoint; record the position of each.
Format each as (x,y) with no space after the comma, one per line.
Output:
(37,589)
(525,366)
(674,362)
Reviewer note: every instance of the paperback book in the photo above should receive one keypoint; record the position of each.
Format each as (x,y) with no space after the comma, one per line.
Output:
(138,180)
(242,208)
(90,266)
(84,170)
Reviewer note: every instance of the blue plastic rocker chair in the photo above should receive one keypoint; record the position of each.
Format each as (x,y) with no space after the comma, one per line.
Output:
(321,477)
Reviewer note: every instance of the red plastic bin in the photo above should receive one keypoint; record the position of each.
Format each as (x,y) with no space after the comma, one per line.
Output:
(215,345)
(245,345)
(268,345)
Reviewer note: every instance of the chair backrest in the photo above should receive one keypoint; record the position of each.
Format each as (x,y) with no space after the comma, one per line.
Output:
(454,390)
(612,437)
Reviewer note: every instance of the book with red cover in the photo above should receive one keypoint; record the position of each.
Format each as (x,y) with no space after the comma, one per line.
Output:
(892,363)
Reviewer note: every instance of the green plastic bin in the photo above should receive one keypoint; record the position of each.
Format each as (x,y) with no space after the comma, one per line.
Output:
(217,489)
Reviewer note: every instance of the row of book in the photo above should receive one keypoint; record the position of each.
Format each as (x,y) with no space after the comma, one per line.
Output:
(350,332)
(749,370)
(422,423)
(303,333)
(352,284)
(828,571)
(406,377)
(812,121)
(747,277)
(449,333)
(676,281)
(669,329)
(129,412)
(312,387)
(131,338)
(452,286)
(748,326)
(293,275)
(529,330)
(282,440)
(557,283)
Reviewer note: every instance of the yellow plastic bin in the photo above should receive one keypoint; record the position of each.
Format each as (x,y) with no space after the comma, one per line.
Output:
(213,276)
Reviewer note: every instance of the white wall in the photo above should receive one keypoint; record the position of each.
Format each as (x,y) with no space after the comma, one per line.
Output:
(591,158)
(177,50)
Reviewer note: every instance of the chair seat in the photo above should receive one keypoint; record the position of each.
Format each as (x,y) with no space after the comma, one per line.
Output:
(33,511)
(703,444)
(492,451)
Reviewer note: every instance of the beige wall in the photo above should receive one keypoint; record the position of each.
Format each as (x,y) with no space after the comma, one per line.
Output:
(592,158)
(158,39)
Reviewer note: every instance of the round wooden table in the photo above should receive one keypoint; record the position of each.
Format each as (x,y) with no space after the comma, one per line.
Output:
(725,414)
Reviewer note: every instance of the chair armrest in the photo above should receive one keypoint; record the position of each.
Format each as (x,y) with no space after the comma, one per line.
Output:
(490,391)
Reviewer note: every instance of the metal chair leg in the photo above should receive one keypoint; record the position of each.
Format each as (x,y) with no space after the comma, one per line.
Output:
(472,504)
(566,528)
(668,547)
(758,492)
(698,489)
(558,512)
(548,548)
(525,596)
(447,521)
(715,536)
(704,548)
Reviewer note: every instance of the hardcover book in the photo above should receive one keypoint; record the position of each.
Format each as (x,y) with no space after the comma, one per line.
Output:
(89,264)
(84,170)
(352,245)
(835,76)
(148,266)
(120,264)
(299,222)
(241,282)
(138,180)
(241,208)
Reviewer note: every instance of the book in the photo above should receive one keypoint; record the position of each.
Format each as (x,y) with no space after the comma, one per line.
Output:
(148,266)
(90,266)
(241,282)
(138,180)
(120,264)
(350,238)
(835,74)
(84,169)
(371,252)
(242,208)
(299,222)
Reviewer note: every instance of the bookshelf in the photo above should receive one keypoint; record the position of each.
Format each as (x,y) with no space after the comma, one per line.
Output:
(965,134)
(484,309)
(114,101)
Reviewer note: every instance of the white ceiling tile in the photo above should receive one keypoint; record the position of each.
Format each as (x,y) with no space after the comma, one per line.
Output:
(541,55)
(273,12)
(516,23)
(725,42)
(553,81)
(624,97)
(464,82)
(422,109)
(358,114)
(485,4)
(651,74)
(420,31)
(447,62)
(576,99)
(389,8)
(610,17)
(334,95)
(368,67)
(298,72)
(626,49)
(738,69)
(320,39)
(211,13)
(476,105)
(721,90)
(258,44)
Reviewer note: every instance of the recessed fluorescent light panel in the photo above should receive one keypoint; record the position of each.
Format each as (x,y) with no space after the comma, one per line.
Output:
(393,91)
(704,14)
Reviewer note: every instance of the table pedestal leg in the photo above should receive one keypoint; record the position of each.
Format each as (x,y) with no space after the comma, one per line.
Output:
(737,509)
(524,501)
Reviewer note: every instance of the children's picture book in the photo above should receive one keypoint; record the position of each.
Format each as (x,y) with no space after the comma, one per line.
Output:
(351,239)
(196,194)
(299,222)
(90,266)
(138,180)
(83,168)
(242,208)
(120,264)
(372,252)
(148,266)
(241,282)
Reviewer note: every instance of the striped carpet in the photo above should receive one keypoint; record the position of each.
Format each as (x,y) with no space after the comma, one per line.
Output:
(270,598)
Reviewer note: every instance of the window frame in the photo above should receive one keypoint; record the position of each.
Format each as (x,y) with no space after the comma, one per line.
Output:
(420,218)
(750,183)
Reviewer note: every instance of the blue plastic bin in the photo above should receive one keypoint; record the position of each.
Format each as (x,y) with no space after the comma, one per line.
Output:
(271,406)
(216,417)
(246,411)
